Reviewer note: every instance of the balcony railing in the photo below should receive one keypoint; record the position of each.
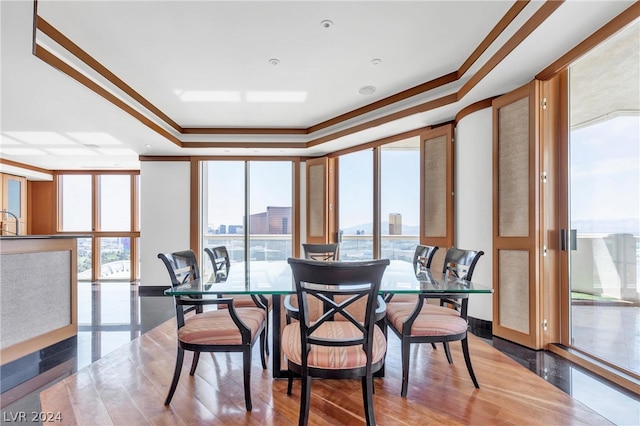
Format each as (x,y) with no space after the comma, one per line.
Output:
(278,246)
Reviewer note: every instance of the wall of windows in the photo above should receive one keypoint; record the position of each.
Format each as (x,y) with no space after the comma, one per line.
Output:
(355,201)
(103,206)
(397,231)
(400,199)
(604,202)
(247,207)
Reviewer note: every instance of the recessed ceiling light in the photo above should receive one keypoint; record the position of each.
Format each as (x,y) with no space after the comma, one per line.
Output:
(276,96)
(94,138)
(208,96)
(367,90)
(326,23)
(147,146)
(375,61)
(71,151)
(6,140)
(274,61)
(22,151)
(41,138)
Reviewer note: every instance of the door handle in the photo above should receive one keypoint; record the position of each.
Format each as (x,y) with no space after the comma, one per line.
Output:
(568,240)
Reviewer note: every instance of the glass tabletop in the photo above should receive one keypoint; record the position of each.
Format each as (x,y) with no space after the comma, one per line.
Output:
(276,278)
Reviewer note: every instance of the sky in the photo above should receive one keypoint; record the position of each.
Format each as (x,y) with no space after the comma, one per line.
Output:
(400,189)
(605,170)
(270,185)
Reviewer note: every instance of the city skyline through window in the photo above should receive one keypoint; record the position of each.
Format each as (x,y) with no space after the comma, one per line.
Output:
(267,188)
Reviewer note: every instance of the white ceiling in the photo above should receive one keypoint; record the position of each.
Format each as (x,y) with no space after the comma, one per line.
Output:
(163,49)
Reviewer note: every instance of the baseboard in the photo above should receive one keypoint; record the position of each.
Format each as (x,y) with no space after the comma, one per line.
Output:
(151,290)
(481,328)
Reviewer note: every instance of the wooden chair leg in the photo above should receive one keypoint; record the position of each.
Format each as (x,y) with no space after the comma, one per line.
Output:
(405,346)
(194,364)
(246,366)
(367,399)
(290,383)
(447,352)
(176,376)
(305,400)
(266,347)
(467,360)
(263,344)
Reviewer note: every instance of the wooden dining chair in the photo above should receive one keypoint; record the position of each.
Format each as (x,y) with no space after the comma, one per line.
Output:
(221,330)
(422,259)
(322,252)
(325,252)
(412,323)
(344,342)
(219,257)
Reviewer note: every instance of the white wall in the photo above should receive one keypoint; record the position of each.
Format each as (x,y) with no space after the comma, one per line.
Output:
(473,199)
(164,216)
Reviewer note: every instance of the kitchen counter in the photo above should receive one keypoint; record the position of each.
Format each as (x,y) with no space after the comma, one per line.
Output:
(38,293)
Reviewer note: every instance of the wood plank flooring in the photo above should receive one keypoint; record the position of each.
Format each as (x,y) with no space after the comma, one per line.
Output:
(128,387)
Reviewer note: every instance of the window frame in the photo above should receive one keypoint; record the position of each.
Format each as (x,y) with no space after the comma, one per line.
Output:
(95,233)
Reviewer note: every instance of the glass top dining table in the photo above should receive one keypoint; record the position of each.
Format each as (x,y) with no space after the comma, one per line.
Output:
(276,279)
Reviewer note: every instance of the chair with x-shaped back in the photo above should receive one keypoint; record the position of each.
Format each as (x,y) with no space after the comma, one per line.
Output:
(344,341)
(220,330)
(412,323)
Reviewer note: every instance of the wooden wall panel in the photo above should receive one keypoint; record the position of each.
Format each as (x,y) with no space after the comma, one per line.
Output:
(41,205)
(436,192)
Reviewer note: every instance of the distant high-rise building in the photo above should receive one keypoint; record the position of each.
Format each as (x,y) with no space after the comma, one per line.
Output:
(276,220)
(395,224)
(222,229)
(236,229)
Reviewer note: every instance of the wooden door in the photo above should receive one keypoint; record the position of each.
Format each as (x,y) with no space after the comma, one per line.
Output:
(516,215)
(14,200)
(321,196)
(436,195)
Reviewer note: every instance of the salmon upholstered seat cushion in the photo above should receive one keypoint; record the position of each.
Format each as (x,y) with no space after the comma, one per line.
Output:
(404,298)
(429,308)
(336,357)
(432,320)
(246,301)
(217,327)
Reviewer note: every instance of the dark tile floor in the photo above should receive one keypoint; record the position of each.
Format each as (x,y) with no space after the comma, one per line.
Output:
(112,314)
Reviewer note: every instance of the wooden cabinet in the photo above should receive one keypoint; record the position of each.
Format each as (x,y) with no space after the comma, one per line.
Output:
(13,220)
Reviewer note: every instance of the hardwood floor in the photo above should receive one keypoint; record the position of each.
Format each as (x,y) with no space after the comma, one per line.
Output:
(128,387)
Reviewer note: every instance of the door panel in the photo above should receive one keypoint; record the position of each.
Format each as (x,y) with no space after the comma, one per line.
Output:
(600,195)
(516,242)
(436,206)
(14,200)
(321,200)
